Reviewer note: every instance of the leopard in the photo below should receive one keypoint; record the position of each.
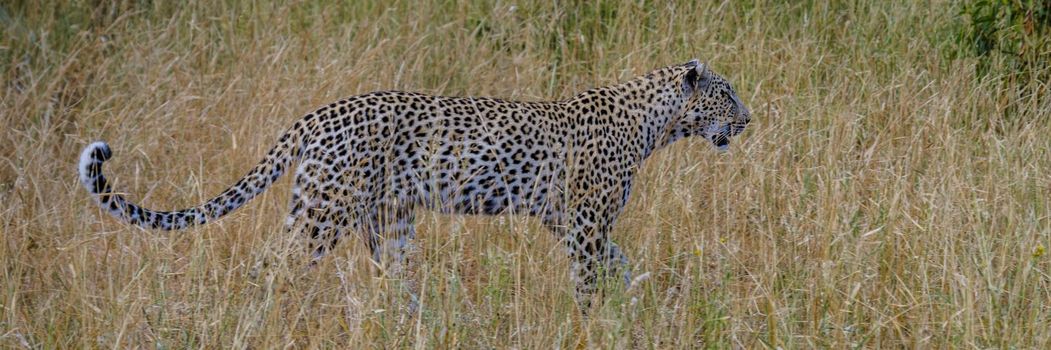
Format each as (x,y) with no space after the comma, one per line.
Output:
(366,164)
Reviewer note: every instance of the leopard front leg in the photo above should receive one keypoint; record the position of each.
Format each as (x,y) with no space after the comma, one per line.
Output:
(593,256)
(617,263)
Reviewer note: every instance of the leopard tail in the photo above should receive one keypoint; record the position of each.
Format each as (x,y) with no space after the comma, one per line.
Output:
(276,162)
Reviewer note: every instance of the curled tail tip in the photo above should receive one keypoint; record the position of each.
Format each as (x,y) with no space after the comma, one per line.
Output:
(90,165)
(99,150)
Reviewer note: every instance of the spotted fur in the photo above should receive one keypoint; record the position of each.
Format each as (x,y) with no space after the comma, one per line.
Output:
(364,164)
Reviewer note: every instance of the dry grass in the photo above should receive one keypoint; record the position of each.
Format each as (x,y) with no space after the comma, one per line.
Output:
(884,196)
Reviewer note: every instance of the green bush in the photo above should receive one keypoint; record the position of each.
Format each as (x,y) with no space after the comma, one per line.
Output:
(1014,33)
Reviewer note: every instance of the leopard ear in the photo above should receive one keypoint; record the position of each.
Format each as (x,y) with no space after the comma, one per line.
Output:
(698,78)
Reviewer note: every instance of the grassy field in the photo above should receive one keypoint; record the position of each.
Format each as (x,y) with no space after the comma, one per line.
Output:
(886,194)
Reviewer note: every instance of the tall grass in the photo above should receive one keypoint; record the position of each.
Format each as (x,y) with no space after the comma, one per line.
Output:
(885,195)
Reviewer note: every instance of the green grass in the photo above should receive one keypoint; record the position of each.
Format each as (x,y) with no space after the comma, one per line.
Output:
(885,195)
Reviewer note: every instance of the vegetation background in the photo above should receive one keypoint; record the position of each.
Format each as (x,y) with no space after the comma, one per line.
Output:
(892,191)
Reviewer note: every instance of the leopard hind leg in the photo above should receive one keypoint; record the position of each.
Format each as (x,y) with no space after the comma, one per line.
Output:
(389,231)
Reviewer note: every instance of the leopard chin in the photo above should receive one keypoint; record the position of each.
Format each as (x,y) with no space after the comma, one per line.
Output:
(721,142)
